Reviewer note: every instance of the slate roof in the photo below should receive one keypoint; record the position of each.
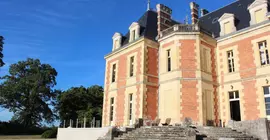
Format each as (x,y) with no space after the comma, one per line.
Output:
(148,27)
(210,22)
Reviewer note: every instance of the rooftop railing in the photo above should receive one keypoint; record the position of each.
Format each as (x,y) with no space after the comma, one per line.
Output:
(180,28)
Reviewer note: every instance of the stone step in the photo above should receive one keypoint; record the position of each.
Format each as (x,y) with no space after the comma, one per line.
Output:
(148,139)
(179,133)
(138,132)
(230,138)
(153,135)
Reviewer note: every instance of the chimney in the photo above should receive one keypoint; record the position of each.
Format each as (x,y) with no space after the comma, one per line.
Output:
(194,12)
(164,18)
(204,12)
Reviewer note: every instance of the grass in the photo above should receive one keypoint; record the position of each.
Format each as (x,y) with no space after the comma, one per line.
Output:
(22,137)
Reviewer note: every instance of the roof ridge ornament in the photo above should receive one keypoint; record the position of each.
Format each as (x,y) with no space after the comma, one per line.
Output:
(148,5)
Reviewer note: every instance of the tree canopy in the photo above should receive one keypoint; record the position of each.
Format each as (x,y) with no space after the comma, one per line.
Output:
(1,52)
(80,102)
(27,91)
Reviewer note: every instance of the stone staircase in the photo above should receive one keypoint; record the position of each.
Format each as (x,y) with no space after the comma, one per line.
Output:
(159,133)
(180,133)
(215,133)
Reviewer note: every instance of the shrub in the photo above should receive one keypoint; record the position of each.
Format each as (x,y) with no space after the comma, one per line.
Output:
(51,133)
(15,128)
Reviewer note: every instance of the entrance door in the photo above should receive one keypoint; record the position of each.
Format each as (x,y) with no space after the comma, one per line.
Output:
(235,106)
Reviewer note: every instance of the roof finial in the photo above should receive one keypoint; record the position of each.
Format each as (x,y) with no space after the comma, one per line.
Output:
(148,5)
(186,19)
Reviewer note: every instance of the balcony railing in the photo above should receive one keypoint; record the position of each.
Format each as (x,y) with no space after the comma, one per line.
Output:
(180,28)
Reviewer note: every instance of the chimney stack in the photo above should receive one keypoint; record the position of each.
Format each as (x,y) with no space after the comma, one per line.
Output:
(164,18)
(204,12)
(194,12)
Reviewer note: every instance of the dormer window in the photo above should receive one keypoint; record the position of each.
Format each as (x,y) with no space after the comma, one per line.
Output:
(117,39)
(227,28)
(134,31)
(227,24)
(258,11)
(259,16)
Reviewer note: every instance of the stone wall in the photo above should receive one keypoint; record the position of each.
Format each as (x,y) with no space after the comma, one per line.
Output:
(82,133)
(257,128)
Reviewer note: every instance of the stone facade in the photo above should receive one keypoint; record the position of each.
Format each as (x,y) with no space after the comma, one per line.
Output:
(190,71)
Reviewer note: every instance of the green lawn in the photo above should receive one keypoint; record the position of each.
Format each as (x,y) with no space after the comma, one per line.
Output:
(22,137)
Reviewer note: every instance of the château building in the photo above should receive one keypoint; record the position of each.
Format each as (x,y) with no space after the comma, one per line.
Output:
(212,70)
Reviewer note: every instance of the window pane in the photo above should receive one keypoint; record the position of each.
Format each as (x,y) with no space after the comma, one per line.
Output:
(131,73)
(267,112)
(266,90)
(113,72)
(267,106)
(231,95)
(112,101)
(267,56)
(236,94)
(267,100)
(130,97)
(134,35)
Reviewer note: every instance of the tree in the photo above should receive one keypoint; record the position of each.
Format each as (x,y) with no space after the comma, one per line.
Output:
(1,50)
(27,92)
(80,102)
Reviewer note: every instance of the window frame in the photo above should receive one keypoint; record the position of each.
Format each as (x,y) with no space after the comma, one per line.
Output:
(133,34)
(113,78)
(225,25)
(230,61)
(265,53)
(130,106)
(112,102)
(169,60)
(256,16)
(131,66)
(266,96)
(206,59)
(234,95)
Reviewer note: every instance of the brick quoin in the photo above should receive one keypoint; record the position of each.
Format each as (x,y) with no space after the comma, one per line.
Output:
(121,82)
(152,91)
(105,105)
(138,86)
(189,90)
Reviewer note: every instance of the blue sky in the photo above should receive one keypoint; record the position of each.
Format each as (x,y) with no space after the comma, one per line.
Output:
(74,35)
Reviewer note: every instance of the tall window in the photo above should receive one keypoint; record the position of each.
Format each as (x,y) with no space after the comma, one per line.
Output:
(113,72)
(130,106)
(230,61)
(264,55)
(205,58)
(111,109)
(131,68)
(267,99)
(259,16)
(169,60)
